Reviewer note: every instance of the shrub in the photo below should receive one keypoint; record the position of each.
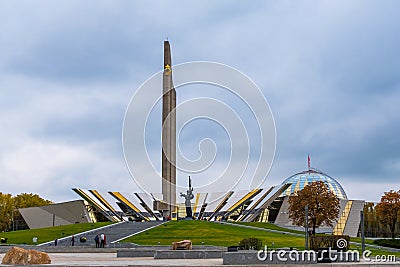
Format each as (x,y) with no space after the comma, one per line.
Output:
(82,239)
(250,244)
(324,241)
(392,243)
(3,240)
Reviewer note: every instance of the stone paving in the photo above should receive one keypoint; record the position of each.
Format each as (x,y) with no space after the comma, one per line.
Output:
(114,232)
(110,259)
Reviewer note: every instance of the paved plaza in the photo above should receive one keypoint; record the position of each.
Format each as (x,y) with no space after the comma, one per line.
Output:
(110,259)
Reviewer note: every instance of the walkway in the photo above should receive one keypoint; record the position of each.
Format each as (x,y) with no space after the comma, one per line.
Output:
(110,259)
(114,233)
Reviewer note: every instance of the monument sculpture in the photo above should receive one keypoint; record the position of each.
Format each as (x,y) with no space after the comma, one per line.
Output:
(188,196)
(168,154)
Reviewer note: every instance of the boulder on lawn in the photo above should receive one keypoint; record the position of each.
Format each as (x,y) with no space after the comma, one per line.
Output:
(184,244)
(20,256)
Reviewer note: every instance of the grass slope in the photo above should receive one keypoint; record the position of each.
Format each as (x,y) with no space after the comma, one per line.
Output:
(211,234)
(270,226)
(50,233)
(358,239)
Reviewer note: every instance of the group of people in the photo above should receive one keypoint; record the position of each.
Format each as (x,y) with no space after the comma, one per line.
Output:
(100,240)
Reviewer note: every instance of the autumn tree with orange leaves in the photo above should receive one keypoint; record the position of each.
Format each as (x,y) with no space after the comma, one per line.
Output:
(323,206)
(388,210)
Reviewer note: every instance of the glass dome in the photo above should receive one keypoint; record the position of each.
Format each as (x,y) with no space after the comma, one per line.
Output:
(300,180)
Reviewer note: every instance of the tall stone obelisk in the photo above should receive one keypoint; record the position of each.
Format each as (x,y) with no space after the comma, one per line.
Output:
(168,135)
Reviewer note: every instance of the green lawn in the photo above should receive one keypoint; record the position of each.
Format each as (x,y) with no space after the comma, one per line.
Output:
(50,233)
(198,231)
(270,226)
(225,235)
(358,240)
(211,234)
(374,251)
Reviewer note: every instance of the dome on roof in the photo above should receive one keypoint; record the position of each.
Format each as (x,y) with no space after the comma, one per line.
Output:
(301,179)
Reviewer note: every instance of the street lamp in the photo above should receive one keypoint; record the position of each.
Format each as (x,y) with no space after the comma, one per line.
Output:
(362,231)
(14,225)
(306,228)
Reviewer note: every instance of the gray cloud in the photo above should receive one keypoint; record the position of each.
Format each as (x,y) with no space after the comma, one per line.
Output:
(330,71)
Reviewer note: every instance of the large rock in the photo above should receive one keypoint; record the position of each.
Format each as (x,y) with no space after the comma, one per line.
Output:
(184,244)
(20,256)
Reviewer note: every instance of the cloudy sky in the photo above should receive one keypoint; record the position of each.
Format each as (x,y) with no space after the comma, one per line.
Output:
(330,71)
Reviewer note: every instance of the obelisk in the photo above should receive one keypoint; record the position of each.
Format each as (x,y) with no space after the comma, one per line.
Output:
(168,154)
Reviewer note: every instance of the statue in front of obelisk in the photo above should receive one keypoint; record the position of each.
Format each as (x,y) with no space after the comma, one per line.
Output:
(188,196)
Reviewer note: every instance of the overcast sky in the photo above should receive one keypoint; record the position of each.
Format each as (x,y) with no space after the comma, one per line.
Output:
(330,71)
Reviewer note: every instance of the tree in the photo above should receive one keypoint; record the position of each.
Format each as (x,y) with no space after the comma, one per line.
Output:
(323,205)
(8,204)
(388,210)
(26,200)
(6,208)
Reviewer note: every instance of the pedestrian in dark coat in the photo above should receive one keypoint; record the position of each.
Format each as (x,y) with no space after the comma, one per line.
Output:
(97,240)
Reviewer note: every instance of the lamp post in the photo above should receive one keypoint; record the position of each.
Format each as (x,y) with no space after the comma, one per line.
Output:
(13,220)
(362,231)
(306,226)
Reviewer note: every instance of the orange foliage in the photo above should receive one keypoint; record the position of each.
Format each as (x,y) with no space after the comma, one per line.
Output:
(323,205)
(388,210)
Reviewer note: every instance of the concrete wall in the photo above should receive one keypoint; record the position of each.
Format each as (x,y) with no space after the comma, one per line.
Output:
(55,214)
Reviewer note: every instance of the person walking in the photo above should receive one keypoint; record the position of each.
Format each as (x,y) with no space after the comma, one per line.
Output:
(72,240)
(97,240)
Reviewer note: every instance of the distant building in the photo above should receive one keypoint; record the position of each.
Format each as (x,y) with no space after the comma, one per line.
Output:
(301,179)
(348,222)
(70,212)
(258,205)
(261,204)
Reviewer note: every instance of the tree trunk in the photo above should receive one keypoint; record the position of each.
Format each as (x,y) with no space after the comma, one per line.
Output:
(393,227)
(314,222)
